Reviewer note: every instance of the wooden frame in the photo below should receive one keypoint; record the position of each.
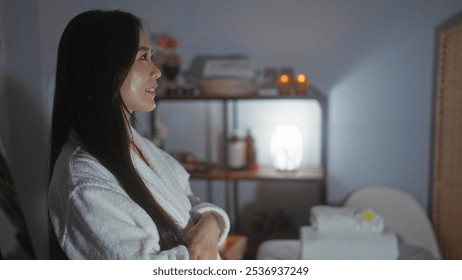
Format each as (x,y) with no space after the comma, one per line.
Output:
(446,177)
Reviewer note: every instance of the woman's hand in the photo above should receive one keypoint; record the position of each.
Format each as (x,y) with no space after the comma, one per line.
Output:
(202,238)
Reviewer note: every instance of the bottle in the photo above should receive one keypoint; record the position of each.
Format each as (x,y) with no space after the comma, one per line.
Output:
(250,152)
(236,152)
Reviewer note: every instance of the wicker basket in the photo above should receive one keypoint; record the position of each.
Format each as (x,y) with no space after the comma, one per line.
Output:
(227,87)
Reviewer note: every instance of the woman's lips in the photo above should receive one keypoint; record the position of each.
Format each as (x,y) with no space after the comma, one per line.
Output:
(152,91)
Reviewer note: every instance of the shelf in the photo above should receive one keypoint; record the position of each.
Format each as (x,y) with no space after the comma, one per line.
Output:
(308,176)
(312,94)
(263,173)
(313,174)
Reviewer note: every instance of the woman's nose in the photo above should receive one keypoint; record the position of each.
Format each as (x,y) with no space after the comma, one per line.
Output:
(156,73)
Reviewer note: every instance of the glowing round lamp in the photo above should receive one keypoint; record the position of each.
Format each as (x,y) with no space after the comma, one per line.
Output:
(287,148)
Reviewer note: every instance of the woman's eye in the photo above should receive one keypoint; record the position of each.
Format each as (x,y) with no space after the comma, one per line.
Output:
(144,57)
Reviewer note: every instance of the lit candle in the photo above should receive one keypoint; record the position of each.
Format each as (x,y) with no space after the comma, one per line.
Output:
(284,84)
(301,85)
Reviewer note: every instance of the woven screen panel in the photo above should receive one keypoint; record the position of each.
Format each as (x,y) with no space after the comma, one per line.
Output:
(447,179)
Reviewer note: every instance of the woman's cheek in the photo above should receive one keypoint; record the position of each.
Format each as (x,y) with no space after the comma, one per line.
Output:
(136,83)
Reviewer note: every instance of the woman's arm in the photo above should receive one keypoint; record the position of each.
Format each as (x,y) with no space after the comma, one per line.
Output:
(211,223)
(101,223)
(203,238)
(199,208)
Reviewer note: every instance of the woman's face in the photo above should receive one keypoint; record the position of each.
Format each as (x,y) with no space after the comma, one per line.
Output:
(138,88)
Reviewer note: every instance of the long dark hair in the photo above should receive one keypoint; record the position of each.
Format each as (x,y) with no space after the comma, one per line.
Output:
(95,54)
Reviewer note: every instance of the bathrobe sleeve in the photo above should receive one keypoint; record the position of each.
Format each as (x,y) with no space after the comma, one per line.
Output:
(106,225)
(202,207)
(199,207)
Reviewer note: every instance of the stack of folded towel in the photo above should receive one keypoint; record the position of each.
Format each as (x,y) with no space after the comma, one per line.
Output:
(338,233)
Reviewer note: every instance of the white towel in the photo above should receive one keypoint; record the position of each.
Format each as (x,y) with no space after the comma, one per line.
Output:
(348,246)
(345,219)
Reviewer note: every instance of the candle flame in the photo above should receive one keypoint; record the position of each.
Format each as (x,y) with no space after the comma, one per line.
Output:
(301,78)
(284,78)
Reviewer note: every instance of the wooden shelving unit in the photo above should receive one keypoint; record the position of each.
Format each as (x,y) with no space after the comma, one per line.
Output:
(263,173)
(308,174)
(312,94)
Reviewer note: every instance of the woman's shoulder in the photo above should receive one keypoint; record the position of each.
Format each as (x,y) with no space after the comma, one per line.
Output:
(81,163)
(76,168)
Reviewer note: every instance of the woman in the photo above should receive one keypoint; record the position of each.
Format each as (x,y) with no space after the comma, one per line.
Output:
(112,193)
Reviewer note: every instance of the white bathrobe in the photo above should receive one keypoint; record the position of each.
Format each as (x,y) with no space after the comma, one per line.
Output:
(94,218)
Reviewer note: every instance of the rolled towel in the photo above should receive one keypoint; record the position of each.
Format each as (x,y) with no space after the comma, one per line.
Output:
(325,218)
(348,246)
(344,219)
